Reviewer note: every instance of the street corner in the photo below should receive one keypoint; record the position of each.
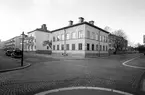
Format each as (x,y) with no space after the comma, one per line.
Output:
(26,65)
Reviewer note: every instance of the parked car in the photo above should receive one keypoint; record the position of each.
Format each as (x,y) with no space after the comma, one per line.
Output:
(9,52)
(16,54)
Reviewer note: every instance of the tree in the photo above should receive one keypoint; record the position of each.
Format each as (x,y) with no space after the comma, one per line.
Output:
(119,40)
(47,43)
(107,28)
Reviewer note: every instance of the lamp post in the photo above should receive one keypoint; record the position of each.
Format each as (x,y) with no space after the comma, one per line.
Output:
(22,48)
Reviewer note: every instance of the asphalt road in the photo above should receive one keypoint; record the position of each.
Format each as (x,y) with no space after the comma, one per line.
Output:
(49,73)
(8,62)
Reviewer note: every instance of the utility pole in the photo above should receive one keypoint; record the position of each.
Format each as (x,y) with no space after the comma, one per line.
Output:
(22,48)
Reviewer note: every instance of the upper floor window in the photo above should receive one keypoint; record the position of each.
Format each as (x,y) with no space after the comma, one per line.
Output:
(80,34)
(58,37)
(53,39)
(93,35)
(73,35)
(97,36)
(88,34)
(62,36)
(67,36)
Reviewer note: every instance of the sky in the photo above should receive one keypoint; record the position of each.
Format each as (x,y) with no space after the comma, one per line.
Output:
(17,16)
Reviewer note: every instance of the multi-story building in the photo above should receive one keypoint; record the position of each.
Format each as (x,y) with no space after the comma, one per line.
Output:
(83,39)
(2,44)
(114,40)
(36,38)
(13,43)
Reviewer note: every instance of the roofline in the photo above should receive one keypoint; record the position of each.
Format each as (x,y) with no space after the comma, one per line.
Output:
(80,24)
(38,30)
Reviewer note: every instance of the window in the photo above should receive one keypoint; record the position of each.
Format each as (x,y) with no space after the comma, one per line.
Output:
(58,38)
(53,39)
(106,48)
(97,36)
(100,47)
(67,46)
(88,46)
(88,34)
(103,48)
(73,35)
(57,47)
(93,35)
(32,47)
(73,46)
(80,46)
(62,47)
(92,46)
(47,47)
(53,47)
(80,34)
(100,38)
(97,47)
(67,36)
(62,37)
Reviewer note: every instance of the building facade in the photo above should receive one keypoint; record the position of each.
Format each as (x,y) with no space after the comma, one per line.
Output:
(82,39)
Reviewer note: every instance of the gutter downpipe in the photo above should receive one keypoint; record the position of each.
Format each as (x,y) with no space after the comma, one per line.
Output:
(99,44)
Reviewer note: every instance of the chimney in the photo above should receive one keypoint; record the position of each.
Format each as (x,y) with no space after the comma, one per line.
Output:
(91,22)
(70,22)
(43,27)
(81,19)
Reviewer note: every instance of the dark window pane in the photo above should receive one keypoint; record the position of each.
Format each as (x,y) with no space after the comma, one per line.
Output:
(73,46)
(88,46)
(57,47)
(62,47)
(80,46)
(92,46)
(67,46)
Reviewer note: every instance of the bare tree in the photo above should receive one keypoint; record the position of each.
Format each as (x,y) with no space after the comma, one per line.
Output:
(119,40)
(47,43)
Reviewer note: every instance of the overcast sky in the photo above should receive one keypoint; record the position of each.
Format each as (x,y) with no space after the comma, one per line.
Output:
(26,15)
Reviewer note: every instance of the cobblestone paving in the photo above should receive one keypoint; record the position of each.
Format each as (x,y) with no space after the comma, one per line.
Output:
(17,87)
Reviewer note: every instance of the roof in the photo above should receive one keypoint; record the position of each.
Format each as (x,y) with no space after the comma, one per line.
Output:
(78,25)
(39,29)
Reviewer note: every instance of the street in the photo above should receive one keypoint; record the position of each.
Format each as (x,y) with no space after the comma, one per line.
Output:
(49,73)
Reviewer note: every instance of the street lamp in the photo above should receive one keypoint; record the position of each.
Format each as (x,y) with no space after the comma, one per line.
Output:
(22,35)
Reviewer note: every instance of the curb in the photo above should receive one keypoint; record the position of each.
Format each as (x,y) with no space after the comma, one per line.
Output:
(13,69)
(82,87)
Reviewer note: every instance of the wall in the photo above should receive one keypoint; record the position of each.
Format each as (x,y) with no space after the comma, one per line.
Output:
(95,41)
(70,41)
(40,38)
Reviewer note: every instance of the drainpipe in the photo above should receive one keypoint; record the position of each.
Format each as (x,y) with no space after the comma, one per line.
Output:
(99,44)
(64,42)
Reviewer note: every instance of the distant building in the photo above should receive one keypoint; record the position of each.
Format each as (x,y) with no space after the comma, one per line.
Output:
(13,43)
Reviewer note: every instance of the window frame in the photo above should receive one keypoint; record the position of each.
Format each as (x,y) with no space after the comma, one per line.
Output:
(80,46)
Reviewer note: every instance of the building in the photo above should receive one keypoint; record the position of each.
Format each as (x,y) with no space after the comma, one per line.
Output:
(2,44)
(13,43)
(81,39)
(113,41)
(35,39)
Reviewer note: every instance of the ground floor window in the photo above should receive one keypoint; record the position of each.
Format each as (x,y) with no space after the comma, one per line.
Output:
(73,46)
(88,46)
(80,46)
(106,48)
(47,47)
(100,47)
(67,46)
(57,47)
(53,47)
(62,47)
(97,47)
(92,46)
(103,48)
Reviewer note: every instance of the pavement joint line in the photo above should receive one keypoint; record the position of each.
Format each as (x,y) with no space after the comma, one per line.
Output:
(83,87)
(17,68)
(137,67)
